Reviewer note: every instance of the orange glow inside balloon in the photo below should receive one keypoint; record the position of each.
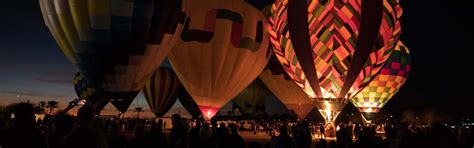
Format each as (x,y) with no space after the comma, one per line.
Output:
(208,112)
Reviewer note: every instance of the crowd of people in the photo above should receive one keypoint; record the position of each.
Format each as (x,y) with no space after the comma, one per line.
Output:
(91,131)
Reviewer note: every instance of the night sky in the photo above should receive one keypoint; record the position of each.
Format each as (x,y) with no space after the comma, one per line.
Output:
(440,35)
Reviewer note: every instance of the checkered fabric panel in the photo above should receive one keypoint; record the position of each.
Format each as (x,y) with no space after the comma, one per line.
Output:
(386,84)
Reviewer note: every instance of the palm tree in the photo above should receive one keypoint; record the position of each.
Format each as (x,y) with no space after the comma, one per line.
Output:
(138,110)
(51,105)
(41,105)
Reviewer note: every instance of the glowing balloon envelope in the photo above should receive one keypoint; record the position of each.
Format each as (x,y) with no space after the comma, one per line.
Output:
(161,91)
(222,49)
(386,84)
(116,44)
(332,48)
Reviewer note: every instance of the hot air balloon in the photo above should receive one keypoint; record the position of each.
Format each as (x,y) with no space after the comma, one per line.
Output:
(222,49)
(85,91)
(188,103)
(331,48)
(251,98)
(117,45)
(161,91)
(389,80)
(283,87)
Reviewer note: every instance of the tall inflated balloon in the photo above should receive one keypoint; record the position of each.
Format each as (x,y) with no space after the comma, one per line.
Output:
(116,44)
(283,87)
(161,91)
(389,80)
(85,91)
(249,100)
(222,49)
(332,48)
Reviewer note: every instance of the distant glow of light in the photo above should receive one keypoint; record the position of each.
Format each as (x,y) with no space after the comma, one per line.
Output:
(328,113)
(369,110)
(328,109)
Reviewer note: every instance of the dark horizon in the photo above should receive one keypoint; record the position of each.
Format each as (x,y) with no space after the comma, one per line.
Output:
(438,34)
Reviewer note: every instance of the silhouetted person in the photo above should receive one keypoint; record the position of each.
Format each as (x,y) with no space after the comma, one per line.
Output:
(439,136)
(139,140)
(368,139)
(293,132)
(351,132)
(23,133)
(85,135)
(60,128)
(156,137)
(332,144)
(402,138)
(357,131)
(322,143)
(283,140)
(222,136)
(389,131)
(322,130)
(179,133)
(344,138)
(115,139)
(205,135)
(254,145)
(236,141)
(194,136)
(213,126)
(303,136)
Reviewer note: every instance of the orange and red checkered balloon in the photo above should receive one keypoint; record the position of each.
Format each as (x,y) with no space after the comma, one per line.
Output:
(332,48)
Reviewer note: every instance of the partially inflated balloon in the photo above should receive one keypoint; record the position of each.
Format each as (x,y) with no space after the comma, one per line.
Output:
(332,48)
(161,91)
(275,78)
(116,44)
(85,91)
(251,98)
(389,80)
(222,49)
